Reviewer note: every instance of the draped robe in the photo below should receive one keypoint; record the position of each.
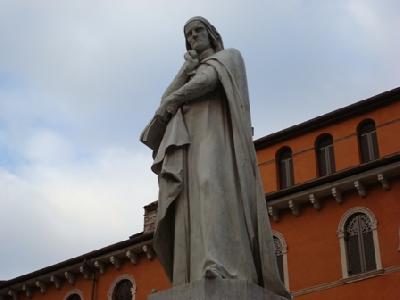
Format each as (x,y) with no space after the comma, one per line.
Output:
(211,210)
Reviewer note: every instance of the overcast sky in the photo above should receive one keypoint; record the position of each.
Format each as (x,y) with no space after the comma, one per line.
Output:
(80,79)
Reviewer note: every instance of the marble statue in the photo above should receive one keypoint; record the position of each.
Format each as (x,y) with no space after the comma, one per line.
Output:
(212,218)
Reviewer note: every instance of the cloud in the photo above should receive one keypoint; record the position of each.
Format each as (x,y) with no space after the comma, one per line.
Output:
(68,205)
(45,146)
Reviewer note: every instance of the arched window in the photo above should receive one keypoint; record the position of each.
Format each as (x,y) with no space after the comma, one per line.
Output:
(367,141)
(123,288)
(74,297)
(281,257)
(285,167)
(74,294)
(325,155)
(359,242)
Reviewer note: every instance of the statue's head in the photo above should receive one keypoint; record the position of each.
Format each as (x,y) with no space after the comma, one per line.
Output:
(200,35)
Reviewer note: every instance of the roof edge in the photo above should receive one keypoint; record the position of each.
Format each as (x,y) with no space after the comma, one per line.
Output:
(140,237)
(338,115)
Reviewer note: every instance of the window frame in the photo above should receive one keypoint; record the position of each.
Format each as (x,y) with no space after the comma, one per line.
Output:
(325,160)
(285,169)
(342,243)
(370,151)
(282,240)
(117,280)
(72,292)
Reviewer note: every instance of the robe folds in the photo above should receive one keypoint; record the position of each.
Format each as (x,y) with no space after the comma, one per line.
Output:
(211,210)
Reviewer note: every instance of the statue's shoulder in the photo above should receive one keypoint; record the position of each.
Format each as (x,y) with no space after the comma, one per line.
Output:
(229,53)
(227,57)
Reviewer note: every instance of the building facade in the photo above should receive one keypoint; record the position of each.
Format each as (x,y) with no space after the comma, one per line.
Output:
(333,196)
(332,190)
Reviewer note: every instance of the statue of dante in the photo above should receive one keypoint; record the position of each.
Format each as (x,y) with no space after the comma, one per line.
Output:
(212,217)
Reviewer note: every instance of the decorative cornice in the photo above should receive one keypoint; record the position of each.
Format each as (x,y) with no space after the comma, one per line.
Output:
(313,195)
(56,280)
(386,160)
(148,250)
(84,266)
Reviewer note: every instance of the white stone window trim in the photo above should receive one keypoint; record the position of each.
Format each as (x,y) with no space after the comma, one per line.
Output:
(284,257)
(342,243)
(74,291)
(118,279)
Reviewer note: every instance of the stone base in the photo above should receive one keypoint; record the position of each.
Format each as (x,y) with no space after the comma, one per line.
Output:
(217,289)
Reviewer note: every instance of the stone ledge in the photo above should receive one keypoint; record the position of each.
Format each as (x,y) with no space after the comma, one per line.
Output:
(217,289)
(344,281)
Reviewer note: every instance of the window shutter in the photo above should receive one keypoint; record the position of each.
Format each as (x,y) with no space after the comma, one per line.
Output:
(368,142)
(279,260)
(289,171)
(284,174)
(360,244)
(364,148)
(321,162)
(353,255)
(374,144)
(279,256)
(331,160)
(325,155)
(285,165)
(369,248)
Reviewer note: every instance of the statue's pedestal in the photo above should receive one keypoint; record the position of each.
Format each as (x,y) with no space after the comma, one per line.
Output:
(216,289)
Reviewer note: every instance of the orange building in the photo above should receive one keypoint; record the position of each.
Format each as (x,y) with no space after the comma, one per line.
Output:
(333,196)
(332,190)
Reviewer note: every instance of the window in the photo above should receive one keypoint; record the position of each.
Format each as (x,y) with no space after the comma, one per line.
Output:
(325,155)
(367,141)
(74,297)
(281,257)
(122,289)
(359,244)
(285,168)
(74,294)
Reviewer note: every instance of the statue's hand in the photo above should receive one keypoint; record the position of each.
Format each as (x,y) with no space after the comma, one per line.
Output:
(162,114)
(191,61)
(168,108)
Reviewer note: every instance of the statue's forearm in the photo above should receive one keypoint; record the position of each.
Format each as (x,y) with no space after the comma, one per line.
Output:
(202,83)
(179,80)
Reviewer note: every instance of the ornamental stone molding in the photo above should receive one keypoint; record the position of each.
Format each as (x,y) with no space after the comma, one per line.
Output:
(72,292)
(118,279)
(282,239)
(315,195)
(283,249)
(350,212)
(68,275)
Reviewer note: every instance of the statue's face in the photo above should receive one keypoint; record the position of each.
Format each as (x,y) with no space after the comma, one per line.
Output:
(197,36)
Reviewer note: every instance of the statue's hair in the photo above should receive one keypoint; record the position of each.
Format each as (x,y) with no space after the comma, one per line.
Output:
(215,37)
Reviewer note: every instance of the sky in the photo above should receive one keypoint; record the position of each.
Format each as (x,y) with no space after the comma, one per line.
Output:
(79,80)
